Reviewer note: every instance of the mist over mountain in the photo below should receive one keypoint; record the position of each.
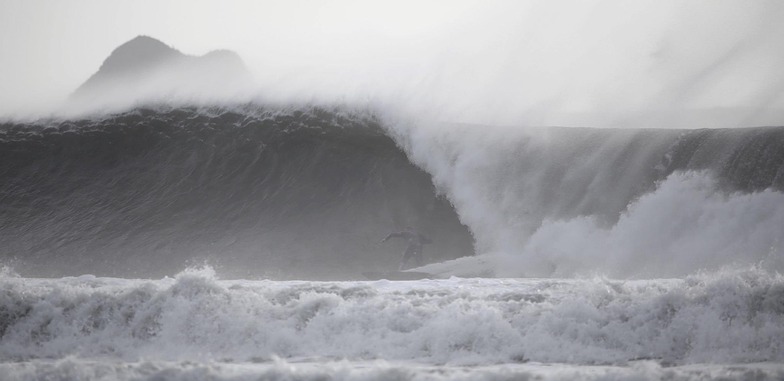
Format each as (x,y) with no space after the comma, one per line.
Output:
(145,68)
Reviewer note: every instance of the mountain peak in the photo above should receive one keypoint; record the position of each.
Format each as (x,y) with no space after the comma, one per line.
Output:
(140,53)
(145,62)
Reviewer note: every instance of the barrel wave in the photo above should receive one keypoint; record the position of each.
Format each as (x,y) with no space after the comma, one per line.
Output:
(307,192)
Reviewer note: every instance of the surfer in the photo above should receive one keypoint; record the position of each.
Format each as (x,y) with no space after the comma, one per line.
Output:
(415,243)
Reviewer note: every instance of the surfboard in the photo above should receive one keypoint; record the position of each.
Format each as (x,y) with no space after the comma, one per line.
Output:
(399,275)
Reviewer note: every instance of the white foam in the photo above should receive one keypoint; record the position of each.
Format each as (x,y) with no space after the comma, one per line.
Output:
(725,318)
(542,202)
(77,369)
(684,226)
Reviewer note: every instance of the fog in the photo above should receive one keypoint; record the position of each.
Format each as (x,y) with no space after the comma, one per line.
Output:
(572,63)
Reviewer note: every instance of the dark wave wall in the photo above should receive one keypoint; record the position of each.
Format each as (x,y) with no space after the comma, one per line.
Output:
(256,193)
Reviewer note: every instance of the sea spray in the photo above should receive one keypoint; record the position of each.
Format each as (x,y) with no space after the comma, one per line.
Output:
(623,202)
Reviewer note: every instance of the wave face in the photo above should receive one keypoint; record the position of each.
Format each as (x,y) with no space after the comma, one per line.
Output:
(254,192)
(624,202)
(732,317)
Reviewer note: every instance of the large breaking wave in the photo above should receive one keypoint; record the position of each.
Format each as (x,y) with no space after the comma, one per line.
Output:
(307,192)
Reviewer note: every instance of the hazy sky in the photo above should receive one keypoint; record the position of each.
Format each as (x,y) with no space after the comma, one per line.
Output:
(658,62)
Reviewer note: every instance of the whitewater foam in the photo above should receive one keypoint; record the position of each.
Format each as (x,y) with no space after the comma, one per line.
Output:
(626,203)
(726,317)
(75,369)
(684,226)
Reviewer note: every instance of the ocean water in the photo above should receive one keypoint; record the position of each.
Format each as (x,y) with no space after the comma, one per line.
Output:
(228,243)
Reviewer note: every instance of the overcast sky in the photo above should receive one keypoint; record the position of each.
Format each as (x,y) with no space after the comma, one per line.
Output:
(638,63)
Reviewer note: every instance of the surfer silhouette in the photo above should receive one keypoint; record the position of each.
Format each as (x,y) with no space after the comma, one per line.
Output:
(415,242)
